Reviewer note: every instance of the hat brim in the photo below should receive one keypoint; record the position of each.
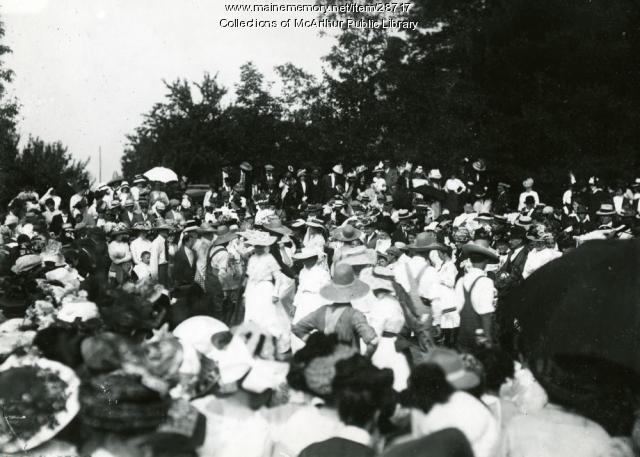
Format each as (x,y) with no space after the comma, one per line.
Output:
(492,256)
(265,243)
(476,168)
(282,230)
(304,256)
(344,294)
(429,247)
(226,238)
(340,237)
(605,213)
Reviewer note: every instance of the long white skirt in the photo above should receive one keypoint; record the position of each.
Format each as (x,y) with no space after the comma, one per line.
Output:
(260,309)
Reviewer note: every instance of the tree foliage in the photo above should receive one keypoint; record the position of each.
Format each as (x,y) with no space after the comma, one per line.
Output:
(8,113)
(536,88)
(42,165)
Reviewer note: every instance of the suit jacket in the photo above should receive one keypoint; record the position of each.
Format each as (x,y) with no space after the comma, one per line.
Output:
(136,217)
(510,275)
(316,191)
(183,271)
(399,236)
(391,177)
(371,242)
(330,190)
(303,192)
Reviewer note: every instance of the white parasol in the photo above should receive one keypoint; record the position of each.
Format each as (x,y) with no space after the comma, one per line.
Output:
(161,174)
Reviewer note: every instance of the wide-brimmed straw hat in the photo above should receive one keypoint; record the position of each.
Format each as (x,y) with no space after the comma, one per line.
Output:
(225,238)
(305,253)
(120,229)
(473,248)
(426,241)
(276,226)
(484,217)
(258,238)
(606,209)
(344,286)
(360,256)
(404,214)
(26,263)
(347,233)
(206,229)
(315,222)
(453,366)
(524,221)
(141,226)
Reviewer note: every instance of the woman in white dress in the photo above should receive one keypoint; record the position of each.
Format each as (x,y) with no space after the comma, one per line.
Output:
(120,255)
(307,299)
(312,278)
(387,319)
(262,293)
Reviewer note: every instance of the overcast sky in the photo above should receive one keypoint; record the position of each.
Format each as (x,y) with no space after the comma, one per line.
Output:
(87,69)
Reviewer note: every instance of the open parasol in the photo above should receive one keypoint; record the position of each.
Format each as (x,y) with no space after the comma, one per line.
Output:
(161,174)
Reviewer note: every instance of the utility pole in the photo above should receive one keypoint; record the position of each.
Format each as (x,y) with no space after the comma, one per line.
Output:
(99,163)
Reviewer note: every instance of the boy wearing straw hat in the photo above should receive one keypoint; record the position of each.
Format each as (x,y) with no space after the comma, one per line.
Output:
(475,297)
(340,318)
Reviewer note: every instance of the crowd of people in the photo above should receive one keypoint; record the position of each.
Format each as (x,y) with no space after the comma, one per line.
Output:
(357,312)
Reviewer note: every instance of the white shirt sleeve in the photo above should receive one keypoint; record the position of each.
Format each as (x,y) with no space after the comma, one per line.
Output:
(482,296)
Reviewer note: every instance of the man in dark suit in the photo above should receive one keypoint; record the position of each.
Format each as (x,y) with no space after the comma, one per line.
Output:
(184,262)
(302,188)
(402,231)
(390,175)
(403,195)
(370,235)
(334,182)
(316,191)
(128,215)
(510,274)
(267,178)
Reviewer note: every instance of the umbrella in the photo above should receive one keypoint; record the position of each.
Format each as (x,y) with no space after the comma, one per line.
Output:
(161,174)
(584,304)
(430,192)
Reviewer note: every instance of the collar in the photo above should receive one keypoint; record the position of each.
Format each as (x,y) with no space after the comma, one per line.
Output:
(356,434)
(517,251)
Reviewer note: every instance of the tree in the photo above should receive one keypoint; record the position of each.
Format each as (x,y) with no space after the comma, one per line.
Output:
(184,133)
(8,134)
(42,165)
